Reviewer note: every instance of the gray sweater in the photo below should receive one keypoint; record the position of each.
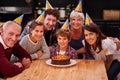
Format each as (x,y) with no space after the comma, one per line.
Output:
(32,47)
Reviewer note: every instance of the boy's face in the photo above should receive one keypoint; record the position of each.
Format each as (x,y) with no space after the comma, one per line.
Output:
(62,41)
(49,22)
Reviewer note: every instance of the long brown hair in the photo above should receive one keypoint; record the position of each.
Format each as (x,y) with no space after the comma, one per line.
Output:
(92,27)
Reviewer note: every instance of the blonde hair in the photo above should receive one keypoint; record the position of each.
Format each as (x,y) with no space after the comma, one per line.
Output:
(75,13)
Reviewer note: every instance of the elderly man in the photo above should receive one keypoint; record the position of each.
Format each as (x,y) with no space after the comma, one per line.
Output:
(9,36)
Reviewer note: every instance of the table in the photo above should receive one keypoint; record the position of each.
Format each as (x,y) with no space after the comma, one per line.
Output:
(83,70)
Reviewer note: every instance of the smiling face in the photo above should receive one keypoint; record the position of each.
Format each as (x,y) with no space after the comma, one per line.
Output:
(76,22)
(63,38)
(76,19)
(11,34)
(37,33)
(62,41)
(49,22)
(90,37)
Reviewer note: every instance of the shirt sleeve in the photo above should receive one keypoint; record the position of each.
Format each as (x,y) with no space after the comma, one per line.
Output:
(24,43)
(20,52)
(45,49)
(6,68)
(110,46)
(34,56)
(72,52)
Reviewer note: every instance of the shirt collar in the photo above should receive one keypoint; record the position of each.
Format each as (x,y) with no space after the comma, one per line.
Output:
(2,42)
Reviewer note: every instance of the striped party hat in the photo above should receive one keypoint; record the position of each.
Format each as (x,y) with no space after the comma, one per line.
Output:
(88,20)
(19,19)
(79,6)
(65,25)
(41,17)
(48,5)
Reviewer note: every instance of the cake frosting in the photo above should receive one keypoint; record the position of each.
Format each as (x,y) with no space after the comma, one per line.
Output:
(60,59)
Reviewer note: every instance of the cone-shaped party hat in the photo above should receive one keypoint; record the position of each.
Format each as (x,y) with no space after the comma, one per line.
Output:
(48,5)
(79,6)
(41,17)
(65,25)
(88,20)
(19,19)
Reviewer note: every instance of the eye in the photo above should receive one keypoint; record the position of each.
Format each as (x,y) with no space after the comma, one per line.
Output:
(11,34)
(59,38)
(86,35)
(36,30)
(72,19)
(91,34)
(48,19)
(18,35)
(64,38)
(41,31)
(79,19)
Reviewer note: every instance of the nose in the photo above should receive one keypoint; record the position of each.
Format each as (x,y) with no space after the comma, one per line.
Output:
(14,38)
(51,22)
(40,33)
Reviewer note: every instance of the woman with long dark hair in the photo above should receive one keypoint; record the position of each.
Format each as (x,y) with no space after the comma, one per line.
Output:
(102,48)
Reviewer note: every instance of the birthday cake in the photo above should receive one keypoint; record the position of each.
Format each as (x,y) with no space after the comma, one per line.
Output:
(60,59)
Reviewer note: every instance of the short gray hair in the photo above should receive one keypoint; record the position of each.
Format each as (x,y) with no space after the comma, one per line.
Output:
(5,25)
(75,13)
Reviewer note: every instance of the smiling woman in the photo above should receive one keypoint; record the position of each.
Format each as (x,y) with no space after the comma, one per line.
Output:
(102,48)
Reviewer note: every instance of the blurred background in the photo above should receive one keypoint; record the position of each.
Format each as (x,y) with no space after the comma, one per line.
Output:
(106,13)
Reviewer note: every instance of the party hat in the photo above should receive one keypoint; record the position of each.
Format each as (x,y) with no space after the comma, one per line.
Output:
(48,5)
(41,17)
(79,6)
(88,20)
(19,19)
(65,25)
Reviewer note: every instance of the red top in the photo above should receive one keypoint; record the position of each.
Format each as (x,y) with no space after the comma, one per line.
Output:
(7,69)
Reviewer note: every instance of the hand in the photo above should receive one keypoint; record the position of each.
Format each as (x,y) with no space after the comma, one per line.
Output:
(118,45)
(114,39)
(26,62)
(39,53)
(117,41)
(18,64)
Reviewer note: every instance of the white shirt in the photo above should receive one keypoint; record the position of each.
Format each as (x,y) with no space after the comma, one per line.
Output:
(108,48)
(2,42)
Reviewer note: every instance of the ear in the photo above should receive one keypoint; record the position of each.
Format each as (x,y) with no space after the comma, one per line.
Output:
(97,35)
(30,30)
(1,30)
(69,40)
